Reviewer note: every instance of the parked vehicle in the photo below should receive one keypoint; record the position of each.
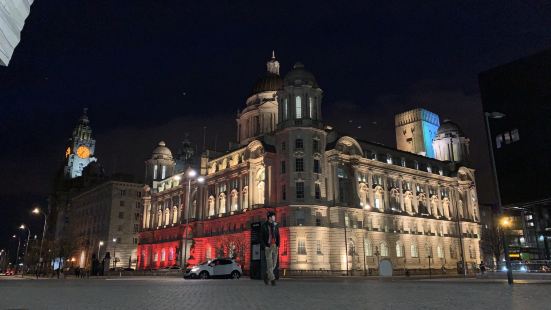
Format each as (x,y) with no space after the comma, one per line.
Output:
(217,268)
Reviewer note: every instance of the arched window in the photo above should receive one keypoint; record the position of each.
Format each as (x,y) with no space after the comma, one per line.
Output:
(440,251)
(384,249)
(222,203)
(163,255)
(434,206)
(234,200)
(422,201)
(472,254)
(368,248)
(285,109)
(298,107)
(351,248)
(446,207)
(174,215)
(363,196)
(399,249)
(159,218)
(167,216)
(260,177)
(311,107)
(211,205)
(245,197)
(414,250)
(379,202)
(407,202)
(395,200)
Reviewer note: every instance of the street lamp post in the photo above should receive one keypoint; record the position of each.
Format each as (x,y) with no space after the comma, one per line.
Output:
(114,253)
(487,116)
(17,253)
(27,246)
(38,211)
(191,174)
(430,269)
(100,244)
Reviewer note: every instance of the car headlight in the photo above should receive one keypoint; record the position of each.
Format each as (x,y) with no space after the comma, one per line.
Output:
(194,269)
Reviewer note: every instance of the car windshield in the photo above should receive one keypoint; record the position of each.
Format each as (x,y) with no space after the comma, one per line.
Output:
(205,262)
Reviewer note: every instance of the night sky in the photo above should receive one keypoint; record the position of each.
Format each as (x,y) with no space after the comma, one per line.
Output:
(154,70)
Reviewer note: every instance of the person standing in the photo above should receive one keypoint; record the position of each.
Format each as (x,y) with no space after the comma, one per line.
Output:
(270,240)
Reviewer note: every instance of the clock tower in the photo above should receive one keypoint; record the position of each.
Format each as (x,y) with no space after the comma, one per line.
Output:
(80,149)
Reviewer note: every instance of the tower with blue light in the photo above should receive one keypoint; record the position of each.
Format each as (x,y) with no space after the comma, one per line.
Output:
(415,131)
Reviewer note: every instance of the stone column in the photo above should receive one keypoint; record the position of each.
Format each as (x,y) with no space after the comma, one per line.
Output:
(370,189)
(386,204)
(401,184)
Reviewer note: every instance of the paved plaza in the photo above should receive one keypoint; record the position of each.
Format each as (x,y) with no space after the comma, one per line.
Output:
(336,293)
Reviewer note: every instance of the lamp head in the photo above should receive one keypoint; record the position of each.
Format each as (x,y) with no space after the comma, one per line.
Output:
(36,210)
(191,173)
(101,243)
(200,179)
(22,226)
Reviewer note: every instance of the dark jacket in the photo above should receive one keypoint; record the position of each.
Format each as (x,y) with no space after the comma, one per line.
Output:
(266,233)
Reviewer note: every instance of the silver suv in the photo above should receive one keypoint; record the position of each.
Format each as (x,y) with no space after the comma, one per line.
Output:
(217,268)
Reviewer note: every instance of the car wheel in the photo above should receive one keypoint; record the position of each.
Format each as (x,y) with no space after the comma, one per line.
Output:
(235,275)
(204,275)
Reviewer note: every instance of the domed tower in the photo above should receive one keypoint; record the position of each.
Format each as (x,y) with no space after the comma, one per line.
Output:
(300,139)
(160,166)
(184,156)
(260,115)
(450,144)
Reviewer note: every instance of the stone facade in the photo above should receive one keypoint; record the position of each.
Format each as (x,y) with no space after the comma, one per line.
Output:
(110,212)
(342,204)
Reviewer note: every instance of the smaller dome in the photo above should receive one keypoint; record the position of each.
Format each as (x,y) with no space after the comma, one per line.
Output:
(300,76)
(269,82)
(161,151)
(449,127)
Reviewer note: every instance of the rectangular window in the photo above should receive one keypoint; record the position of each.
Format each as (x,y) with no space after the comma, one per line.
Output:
(119,228)
(283,166)
(299,164)
(285,109)
(499,141)
(318,247)
(135,240)
(300,190)
(311,104)
(121,203)
(299,144)
(283,192)
(123,192)
(317,191)
(515,135)
(317,168)
(318,218)
(136,228)
(301,247)
(155,172)
(121,214)
(298,106)
(163,173)
(316,145)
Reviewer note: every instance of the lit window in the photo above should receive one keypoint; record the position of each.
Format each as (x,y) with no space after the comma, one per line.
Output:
(301,247)
(499,141)
(298,107)
(514,135)
(311,104)
(285,108)
(163,173)
(155,168)
(414,251)
(318,247)
(384,250)
(399,250)
(429,169)
(389,159)
(440,252)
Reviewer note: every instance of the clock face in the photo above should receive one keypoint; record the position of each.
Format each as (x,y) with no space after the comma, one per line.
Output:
(83,151)
(67,152)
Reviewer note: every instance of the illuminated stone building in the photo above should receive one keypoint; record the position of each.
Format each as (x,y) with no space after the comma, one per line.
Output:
(343,204)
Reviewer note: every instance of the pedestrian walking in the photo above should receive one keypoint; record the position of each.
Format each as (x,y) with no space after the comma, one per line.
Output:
(270,240)
(482,267)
